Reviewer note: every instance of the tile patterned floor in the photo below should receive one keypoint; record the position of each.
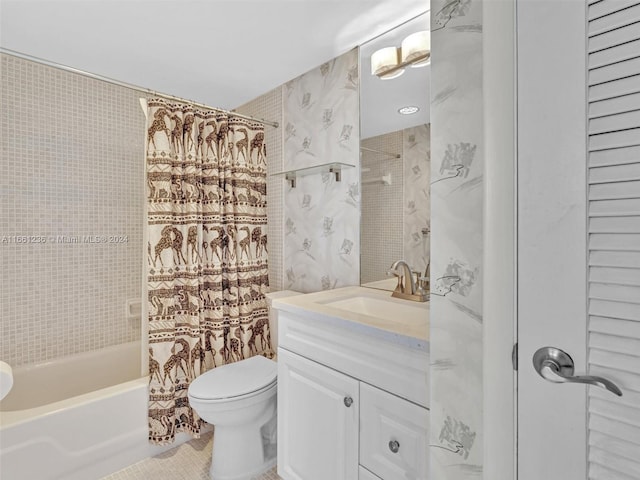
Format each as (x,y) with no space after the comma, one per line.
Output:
(189,461)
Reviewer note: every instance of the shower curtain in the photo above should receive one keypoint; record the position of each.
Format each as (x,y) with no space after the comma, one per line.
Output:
(207,253)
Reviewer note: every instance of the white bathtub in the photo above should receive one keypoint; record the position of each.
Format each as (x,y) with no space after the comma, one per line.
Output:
(80,417)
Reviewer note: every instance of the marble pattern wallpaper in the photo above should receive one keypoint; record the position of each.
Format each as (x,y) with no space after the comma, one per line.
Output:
(416,154)
(456,241)
(322,215)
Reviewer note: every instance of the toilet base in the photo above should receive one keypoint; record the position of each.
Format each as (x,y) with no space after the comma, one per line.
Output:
(243,452)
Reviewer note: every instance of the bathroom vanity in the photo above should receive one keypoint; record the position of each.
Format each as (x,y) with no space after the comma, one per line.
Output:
(353,367)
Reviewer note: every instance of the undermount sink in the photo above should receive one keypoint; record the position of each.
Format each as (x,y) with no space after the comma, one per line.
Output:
(371,311)
(379,308)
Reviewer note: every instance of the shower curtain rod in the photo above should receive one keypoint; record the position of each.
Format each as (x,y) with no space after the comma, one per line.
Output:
(133,87)
(394,155)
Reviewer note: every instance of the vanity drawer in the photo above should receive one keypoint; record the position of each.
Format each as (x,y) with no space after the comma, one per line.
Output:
(393,367)
(364,474)
(393,435)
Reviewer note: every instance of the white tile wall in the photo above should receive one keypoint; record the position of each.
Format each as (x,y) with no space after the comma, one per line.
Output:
(71,151)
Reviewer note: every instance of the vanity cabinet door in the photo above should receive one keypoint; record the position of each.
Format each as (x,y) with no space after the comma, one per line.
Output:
(393,435)
(367,475)
(318,414)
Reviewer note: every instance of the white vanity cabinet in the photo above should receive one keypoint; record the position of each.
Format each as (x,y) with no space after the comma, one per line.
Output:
(364,474)
(393,435)
(352,404)
(319,420)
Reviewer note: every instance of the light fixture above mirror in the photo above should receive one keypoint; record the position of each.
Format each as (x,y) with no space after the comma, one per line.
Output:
(380,101)
(390,62)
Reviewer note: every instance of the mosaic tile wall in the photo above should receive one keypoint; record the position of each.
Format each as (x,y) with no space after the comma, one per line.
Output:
(71,214)
(269,107)
(381,230)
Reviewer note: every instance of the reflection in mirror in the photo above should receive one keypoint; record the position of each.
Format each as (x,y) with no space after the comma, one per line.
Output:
(395,164)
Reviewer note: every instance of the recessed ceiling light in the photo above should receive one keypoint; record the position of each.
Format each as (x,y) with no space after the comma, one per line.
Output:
(409,110)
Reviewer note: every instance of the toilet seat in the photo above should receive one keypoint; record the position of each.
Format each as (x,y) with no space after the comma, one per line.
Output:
(243,379)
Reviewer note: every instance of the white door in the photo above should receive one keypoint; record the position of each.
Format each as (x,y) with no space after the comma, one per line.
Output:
(318,418)
(578,211)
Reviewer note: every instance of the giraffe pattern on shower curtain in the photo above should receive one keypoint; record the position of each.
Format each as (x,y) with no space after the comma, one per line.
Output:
(207,274)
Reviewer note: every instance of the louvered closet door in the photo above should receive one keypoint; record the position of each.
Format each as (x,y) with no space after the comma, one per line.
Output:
(578,225)
(614,236)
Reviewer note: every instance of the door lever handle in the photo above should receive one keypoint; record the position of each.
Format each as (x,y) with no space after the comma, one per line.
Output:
(557,366)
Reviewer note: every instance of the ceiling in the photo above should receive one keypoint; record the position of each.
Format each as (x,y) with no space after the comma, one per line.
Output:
(219,52)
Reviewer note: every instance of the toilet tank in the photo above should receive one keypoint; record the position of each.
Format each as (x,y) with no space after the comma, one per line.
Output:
(273,314)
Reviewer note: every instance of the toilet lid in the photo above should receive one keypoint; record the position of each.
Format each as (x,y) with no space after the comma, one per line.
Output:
(235,379)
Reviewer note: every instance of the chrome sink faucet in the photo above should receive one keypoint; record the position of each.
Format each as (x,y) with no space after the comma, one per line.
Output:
(406,288)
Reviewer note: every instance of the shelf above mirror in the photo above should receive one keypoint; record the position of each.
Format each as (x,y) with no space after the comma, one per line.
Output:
(291,175)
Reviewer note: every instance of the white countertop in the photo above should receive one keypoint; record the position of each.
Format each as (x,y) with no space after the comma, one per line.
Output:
(407,323)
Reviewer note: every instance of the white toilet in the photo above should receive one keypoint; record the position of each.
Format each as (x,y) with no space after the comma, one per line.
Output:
(239,399)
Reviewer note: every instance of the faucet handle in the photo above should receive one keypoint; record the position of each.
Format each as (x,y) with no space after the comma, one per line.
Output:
(422,281)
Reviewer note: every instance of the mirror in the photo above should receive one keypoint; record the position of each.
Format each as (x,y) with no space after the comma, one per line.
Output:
(395,158)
